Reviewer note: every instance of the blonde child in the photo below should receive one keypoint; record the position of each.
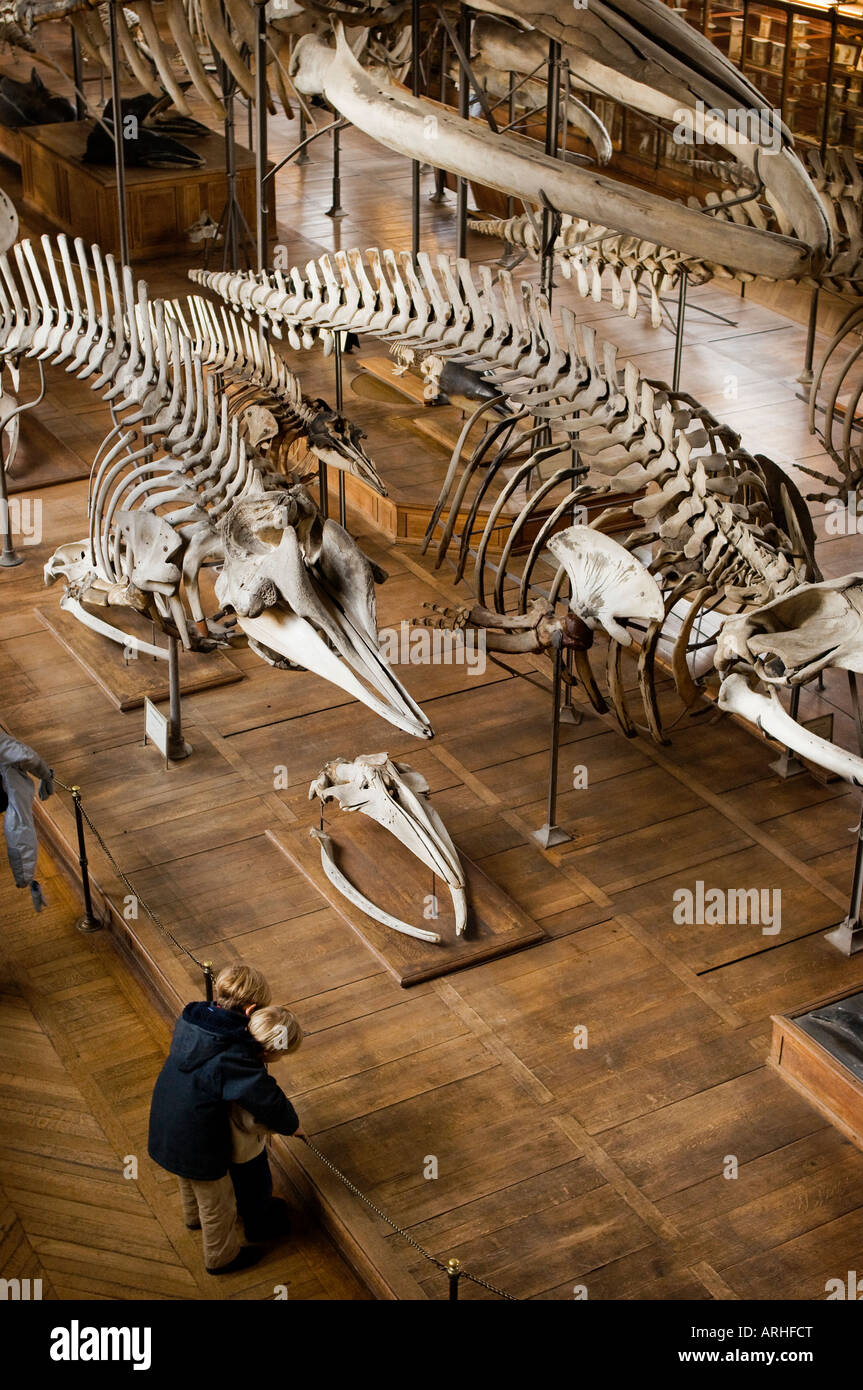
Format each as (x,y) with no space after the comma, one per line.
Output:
(278,1033)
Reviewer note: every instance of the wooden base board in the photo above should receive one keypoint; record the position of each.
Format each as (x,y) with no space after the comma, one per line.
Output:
(380,866)
(819,1077)
(128,683)
(42,459)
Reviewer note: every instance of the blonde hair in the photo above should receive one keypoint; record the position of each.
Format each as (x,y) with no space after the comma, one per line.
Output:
(239,986)
(277,1030)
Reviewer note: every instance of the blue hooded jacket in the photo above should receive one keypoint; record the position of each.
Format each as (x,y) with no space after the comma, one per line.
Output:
(213,1061)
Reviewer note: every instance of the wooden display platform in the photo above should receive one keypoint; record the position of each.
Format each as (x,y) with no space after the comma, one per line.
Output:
(382,868)
(816,1074)
(129,683)
(42,459)
(81,199)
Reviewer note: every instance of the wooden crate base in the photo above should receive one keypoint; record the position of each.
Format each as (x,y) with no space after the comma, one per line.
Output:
(42,459)
(128,683)
(386,872)
(807,1066)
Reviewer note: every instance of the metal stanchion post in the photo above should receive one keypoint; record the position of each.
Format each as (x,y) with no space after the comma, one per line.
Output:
(119,156)
(208,980)
(9,557)
(552,130)
(678,335)
(439,195)
(453,1269)
(89,922)
(178,748)
(551,833)
(337,353)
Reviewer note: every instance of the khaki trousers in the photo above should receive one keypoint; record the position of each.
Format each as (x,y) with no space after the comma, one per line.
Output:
(213,1205)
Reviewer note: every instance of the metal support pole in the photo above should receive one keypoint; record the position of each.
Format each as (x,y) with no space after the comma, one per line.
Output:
(678,333)
(551,833)
(78,78)
(337,340)
(178,748)
(9,557)
(552,131)
(336,210)
(208,980)
(464,27)
(453,1269)
(262,209)
(805,377)
(439,195)
(848,936)
(788,764)
(303,157)
(415,164)
(89,922)
(119,156)
(323,488)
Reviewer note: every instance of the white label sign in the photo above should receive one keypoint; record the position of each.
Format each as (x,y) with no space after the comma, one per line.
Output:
(156,726)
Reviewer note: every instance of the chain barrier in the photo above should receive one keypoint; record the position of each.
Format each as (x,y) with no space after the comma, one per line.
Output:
(452,1268)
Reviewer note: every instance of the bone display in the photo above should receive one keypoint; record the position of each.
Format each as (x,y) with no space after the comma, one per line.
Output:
(396,796)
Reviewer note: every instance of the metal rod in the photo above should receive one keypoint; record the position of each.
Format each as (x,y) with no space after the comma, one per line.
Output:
(678,334)
(301,149)
(439,195)
(262,209)
(805,377)
(119,156)
(453,1270)
(415,164)
(464,24)
(208,980)
(9,557)
(787,764)
(78,78)
(848,936)
(89,922)
(336,210)
(551,833)
(303,157)
(552,131)
(340,400)
(177,746)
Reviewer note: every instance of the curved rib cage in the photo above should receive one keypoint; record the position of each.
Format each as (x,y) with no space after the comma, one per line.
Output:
(174,486)
(718,522)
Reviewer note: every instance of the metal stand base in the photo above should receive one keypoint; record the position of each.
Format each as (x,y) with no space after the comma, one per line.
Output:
(336,213)
(10,559)
(847,937)
(550,835)
(787,765)
(176,747)
(88,924)
(570,715)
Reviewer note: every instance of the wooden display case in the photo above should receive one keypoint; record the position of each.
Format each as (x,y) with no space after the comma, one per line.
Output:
(81,199)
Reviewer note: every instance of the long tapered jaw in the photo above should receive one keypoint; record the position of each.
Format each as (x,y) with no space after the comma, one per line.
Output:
(396,796)
(608,585)
(788,641)
(303,593)
(338,443)
(739,695)
(666,79)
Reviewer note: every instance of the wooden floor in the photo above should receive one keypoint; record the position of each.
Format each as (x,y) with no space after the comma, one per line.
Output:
(558,1168)
(82,1046)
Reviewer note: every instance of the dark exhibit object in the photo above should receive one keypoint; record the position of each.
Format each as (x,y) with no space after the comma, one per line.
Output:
(149,131)
(839,1030)
(31,103)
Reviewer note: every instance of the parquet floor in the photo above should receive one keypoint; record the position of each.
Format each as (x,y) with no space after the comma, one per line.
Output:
(559,1169)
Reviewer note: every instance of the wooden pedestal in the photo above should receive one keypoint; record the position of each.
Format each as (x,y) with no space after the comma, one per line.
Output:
(81,199)
(382,868)
(128,683)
